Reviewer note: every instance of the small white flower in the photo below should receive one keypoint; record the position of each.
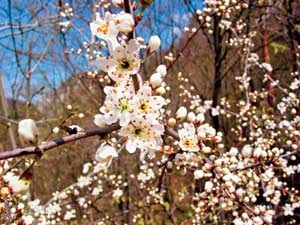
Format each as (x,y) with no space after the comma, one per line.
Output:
(191,117)
(123,61)
(118,104)
(145,105)
(106,29)
(153,44)
(215,112)
(208,186)
(17,185)
(233,151)
(117,193)
(84,181)
(188,138)
(71,214)
(247,151)
(181,113)
(198,174)
(142,134)
(28,131)
(105,154)
(28,219)
(200,118)
(288,210)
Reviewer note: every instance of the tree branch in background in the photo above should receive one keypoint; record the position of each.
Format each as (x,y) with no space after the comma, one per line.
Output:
(4,107)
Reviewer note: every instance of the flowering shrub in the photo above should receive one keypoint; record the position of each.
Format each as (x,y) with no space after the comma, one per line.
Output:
(188,171)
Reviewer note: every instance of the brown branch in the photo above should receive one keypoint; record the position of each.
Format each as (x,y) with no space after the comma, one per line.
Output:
(59,141)
(184,47)
(131,35)
(70,138)
(172,133)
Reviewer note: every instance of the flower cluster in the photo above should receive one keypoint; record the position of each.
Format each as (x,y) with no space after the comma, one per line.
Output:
(137,110)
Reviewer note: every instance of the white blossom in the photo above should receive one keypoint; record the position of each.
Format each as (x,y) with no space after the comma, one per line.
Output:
(28,131)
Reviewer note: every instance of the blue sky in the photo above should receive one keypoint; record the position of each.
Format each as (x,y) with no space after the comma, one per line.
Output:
(163,18)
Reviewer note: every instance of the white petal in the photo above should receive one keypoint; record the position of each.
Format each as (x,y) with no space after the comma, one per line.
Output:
(131,146)
(100,120)
(133,46)
(106,64)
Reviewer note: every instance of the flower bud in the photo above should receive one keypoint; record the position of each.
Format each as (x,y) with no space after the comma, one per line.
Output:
(2,208)
(170,166)
(233,151)
(28,131)
(155,80)
(162,69)
(200,118)
(198,174)
(55,130)
(247,151)
(153,44)
(191,117)
(171,122)
(118,3)
(4,191)
(181,113)
(124,22)
(267,67)
(208,186)
(160,91)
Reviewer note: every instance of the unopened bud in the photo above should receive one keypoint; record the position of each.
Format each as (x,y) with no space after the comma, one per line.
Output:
(200,118)
(160,91)
(124,22)
(191,117)
(208,186)
(155,80)
(198,174)
(171,122)
(181,113)
(28,131)
(118,3)
(153,44)
(2,207)
(55,130)
(4,191)
(267,67)
(170,166)
(162,70)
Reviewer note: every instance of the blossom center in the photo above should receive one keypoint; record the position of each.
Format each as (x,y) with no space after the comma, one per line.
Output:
(124,106)
(103,28)
(188,143)
(139,131)
(144,106)
(125,64)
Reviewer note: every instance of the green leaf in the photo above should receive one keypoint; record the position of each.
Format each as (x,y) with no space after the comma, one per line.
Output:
(278,47)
